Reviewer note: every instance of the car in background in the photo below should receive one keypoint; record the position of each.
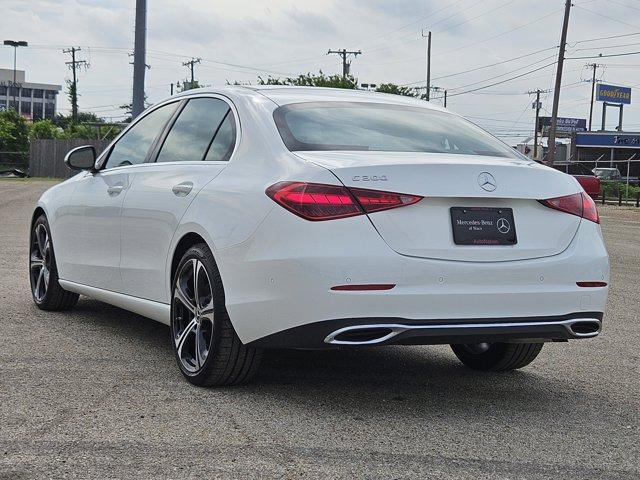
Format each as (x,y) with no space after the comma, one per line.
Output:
(288,217)
(585,177)
(607,174)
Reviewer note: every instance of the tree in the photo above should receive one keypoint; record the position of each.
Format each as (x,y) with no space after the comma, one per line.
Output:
(128,108)
(63,121)
(312,80)
(400,90)
(43,129)
(14,133)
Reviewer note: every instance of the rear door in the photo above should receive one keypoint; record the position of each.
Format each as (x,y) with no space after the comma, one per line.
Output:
(196,148)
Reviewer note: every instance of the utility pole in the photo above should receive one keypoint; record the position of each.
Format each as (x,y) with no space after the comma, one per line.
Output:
(536,106)
(344,53)
(551,150)
(73,65)
(428,63)
(139,53)
(172,88)
(190,64)
(593,88)
(15,44)
(445,99)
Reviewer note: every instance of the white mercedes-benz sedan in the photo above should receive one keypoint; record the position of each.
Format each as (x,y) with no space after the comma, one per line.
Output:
(248,218)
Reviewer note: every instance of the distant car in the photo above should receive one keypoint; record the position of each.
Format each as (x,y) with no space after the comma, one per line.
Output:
(255,217)
(607,173)
(590,183)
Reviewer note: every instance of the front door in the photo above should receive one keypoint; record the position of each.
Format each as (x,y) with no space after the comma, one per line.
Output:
(94,218)
(95,210)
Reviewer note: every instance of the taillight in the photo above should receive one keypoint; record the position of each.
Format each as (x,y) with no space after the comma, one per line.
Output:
(316,201)
(579,204)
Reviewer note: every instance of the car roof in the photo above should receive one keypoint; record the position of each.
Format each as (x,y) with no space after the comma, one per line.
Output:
(284,95)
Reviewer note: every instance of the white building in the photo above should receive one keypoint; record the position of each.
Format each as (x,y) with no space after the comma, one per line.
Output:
(35,101)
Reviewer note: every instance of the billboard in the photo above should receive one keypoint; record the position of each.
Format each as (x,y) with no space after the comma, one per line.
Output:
(613,94)
(612,140)
(564,126)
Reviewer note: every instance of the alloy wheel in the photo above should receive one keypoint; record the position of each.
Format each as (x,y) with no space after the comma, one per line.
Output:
(193,315)
(40,260)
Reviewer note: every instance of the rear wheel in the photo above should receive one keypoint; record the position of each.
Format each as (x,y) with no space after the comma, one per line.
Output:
(43,272)
(496,357)
(206,346)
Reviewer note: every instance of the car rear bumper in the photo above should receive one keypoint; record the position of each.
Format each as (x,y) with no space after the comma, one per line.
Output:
(399,331)
(277,283)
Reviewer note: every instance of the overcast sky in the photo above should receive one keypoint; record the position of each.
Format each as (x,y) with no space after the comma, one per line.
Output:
(242,39)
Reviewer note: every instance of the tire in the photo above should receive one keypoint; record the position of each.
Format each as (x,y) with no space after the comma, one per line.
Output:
(43,271)
(205,344)
(497,357)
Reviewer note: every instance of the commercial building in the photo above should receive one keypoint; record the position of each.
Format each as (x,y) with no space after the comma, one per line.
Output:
(35,101)
(619,150)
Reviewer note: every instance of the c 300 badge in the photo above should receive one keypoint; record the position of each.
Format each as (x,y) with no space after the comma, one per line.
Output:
(370,178)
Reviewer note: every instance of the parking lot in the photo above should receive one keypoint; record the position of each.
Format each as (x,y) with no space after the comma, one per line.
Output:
(95,393)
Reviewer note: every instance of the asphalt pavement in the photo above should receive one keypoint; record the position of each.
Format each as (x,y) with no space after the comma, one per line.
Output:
(95,393)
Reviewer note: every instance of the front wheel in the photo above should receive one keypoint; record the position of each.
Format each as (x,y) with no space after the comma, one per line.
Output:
(496,357)
(207,348)
(43,271)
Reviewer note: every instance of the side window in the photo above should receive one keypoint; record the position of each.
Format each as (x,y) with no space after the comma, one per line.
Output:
(192,132)
(132,148)
(222,146)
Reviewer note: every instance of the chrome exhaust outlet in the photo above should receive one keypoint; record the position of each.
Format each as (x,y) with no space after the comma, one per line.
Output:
(364,334)
(584,327)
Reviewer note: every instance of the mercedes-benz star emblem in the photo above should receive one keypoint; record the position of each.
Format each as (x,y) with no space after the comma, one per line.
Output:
(487,182)
(503,225)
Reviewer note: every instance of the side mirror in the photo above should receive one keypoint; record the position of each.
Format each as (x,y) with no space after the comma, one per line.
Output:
(81,158)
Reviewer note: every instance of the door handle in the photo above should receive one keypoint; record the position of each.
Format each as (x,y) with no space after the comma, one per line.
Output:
(182,189)
(115,190)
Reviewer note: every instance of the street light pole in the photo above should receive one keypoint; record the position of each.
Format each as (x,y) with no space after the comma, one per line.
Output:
(15,44)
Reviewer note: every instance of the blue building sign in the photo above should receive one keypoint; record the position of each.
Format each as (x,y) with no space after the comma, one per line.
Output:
(613,94)
(608,140)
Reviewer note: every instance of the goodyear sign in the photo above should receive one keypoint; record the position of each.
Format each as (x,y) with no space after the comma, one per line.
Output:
(613,94)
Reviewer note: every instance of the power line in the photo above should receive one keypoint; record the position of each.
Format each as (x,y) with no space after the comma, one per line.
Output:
(503,81)
(503,74)
(605,47)
(624,5)
(501,34)
(421,19)
(605,56)
(573,44)
(602,15)
(493,64)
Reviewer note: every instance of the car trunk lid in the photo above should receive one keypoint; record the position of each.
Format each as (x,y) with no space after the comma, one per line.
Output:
(445,181)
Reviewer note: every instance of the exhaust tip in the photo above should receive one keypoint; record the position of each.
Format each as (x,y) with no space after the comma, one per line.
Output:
(585,328)
(363,335)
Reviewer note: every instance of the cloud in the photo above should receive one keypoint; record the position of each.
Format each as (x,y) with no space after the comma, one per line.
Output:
(288,37)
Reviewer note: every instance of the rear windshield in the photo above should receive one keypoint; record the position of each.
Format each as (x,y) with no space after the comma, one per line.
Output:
(382,127)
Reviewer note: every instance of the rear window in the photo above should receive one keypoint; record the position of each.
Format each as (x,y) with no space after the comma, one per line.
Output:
(382,127)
